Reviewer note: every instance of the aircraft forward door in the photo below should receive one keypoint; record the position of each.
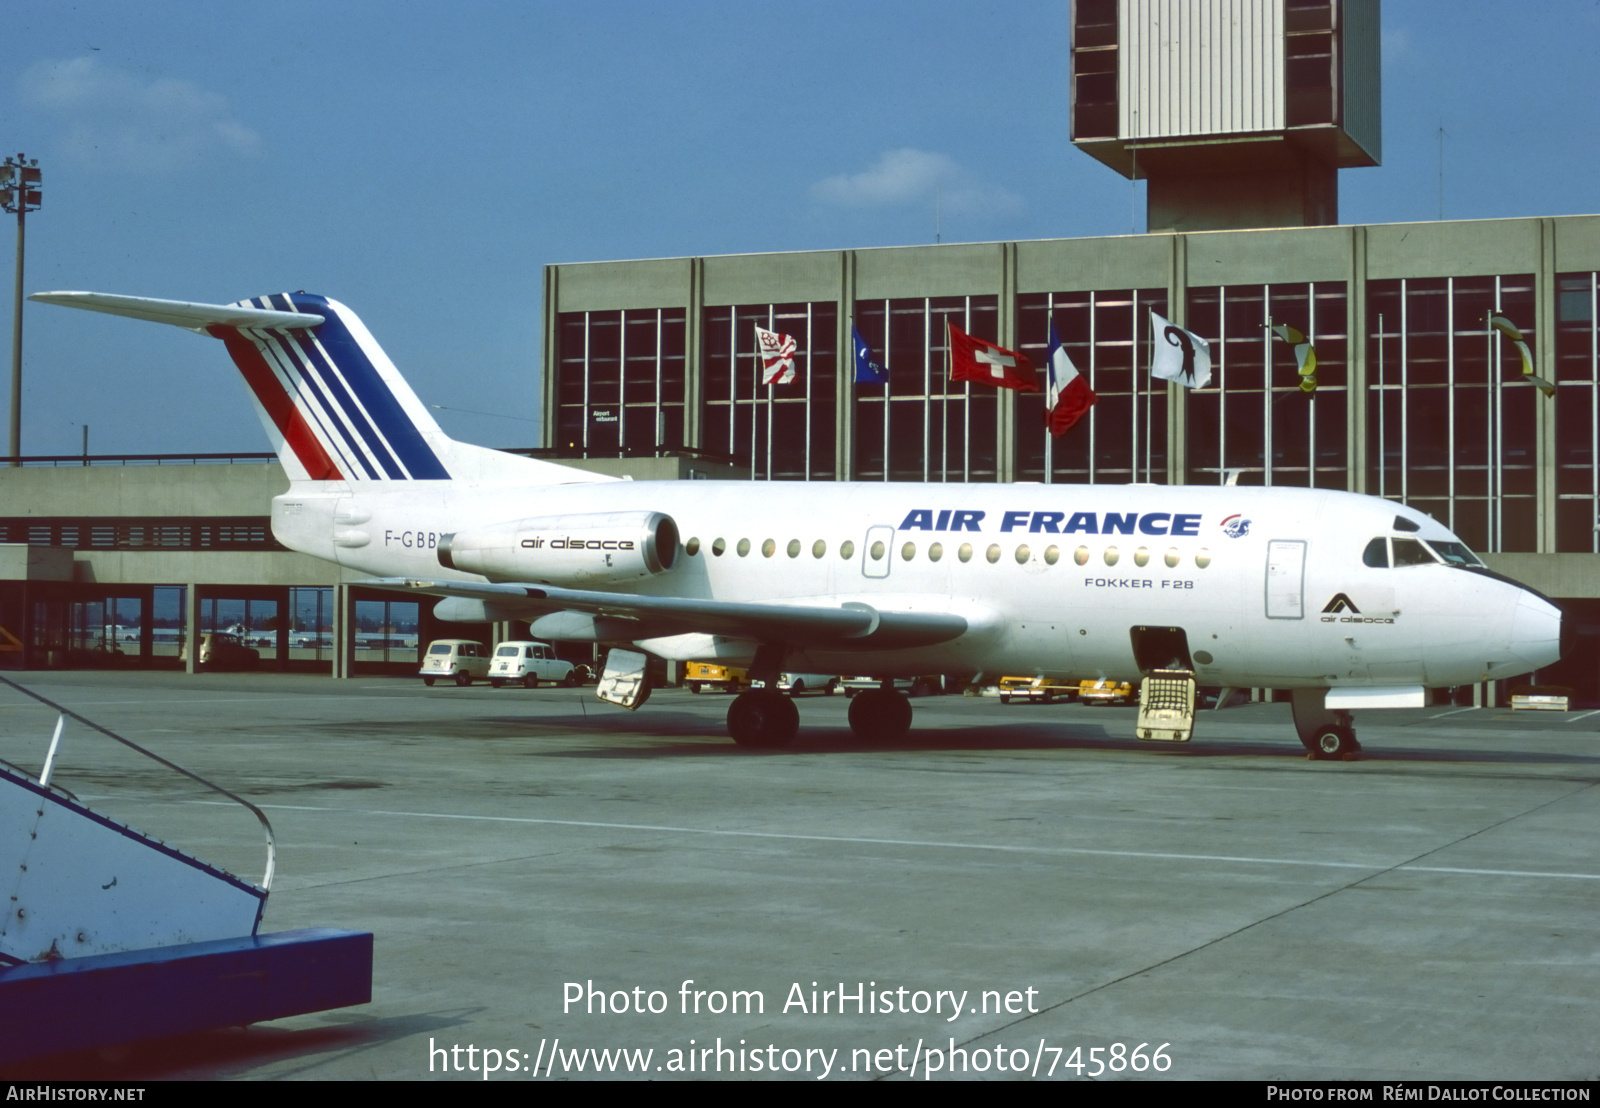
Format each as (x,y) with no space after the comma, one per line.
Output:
(877,552)
(1286,579)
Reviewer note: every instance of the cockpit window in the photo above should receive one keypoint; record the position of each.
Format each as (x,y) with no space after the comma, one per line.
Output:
(1401,523)
(1376,554)
(1454,553)
(1410,552)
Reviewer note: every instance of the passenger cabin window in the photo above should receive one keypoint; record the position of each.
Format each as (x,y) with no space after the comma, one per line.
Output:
(1410,552)
(1376,554)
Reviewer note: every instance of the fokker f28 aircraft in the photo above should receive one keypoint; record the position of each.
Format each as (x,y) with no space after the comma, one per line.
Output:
(1347,600)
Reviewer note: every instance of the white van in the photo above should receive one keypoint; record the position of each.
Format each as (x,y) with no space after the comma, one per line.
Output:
(529,663)
(454,659)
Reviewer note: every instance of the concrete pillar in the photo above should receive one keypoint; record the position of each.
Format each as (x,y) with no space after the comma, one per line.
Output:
(1356,375)
(191,629)
(694,363)
(1005,455)
(344,632)
(1544,365)
(549,347)
(1177,395)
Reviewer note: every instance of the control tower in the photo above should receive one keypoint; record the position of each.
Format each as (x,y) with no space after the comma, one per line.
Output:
(1239,113)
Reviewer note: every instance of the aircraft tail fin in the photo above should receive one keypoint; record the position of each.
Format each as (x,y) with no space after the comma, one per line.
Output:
(334,405)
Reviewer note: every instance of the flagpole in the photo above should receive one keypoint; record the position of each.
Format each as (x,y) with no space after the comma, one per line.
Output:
(772,324)
(887,385)
(1382,461)
(946,383)
(807,475)
(1049,439)
(1266,413)
(755,408)
(1495,368)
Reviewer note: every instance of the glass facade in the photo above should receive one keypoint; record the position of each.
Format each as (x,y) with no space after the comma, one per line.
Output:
(921,426)
(1254,417)
(1451,423)
(620,380)
(1577,414)
(1124,436)
(784,432)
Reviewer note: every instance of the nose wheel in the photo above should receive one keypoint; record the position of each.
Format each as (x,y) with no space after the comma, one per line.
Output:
(1334,742)
(1325,733)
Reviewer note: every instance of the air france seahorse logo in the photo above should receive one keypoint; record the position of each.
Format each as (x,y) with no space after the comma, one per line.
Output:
(1236,526)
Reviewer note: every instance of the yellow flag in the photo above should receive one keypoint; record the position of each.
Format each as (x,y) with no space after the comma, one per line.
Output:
(1509,330)
(1305,355)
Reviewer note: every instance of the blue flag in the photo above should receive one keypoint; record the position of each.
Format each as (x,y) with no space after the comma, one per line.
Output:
(868,372)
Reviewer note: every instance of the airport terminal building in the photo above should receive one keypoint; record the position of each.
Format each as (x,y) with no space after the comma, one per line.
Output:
(651,366)
(1418,399)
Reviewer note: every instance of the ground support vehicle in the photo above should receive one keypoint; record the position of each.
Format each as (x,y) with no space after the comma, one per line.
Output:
(458,660)
(703,676)
(1091,691)
(929,685)
(796,683)
(528,663)
(1042,690)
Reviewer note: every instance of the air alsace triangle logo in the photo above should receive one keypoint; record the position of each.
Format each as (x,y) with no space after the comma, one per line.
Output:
(1336,608)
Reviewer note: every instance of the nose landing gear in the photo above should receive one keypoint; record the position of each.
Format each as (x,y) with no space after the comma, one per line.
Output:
(1326,733)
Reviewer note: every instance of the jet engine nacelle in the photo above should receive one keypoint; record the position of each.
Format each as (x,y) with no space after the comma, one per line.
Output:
(576,551)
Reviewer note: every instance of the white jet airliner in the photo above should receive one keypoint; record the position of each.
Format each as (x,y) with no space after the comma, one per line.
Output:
(1349,601)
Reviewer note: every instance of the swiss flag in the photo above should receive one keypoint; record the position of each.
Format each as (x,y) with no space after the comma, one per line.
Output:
(982,361)
(1067,396)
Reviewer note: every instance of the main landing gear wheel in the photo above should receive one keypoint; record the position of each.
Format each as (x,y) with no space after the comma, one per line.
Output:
(763,718)
(880,715)
(1335,742)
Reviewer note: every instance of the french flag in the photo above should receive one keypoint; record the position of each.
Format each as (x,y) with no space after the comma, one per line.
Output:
(1067,396)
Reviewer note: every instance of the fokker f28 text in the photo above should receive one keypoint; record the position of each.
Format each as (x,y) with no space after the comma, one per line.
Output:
(1349,601)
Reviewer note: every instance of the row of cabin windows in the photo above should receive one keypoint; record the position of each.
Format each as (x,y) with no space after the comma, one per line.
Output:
(1111,555)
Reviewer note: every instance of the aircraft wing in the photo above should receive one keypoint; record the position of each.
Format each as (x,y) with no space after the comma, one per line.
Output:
(847,625)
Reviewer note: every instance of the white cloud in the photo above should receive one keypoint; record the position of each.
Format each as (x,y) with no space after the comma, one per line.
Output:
(907,177)
(117,120)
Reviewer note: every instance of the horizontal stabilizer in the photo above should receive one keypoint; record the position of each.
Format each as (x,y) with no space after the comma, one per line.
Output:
(181,313)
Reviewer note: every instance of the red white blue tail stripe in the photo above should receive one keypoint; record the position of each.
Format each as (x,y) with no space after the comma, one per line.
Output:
(327,392)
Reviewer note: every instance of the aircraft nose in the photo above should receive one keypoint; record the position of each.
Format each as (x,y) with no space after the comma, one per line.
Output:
(1536,631)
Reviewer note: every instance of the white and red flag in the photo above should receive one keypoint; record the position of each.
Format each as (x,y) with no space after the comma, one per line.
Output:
(777,356)
(1067,396)
(979,360)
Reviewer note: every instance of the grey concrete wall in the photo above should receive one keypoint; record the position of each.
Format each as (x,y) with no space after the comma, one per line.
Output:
(22,562)
(1447,249)
(176,490)
(772,278)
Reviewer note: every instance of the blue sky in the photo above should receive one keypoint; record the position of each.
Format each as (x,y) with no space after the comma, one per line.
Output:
(422,162)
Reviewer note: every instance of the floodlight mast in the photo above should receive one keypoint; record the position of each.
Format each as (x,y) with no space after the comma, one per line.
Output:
(20,192)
